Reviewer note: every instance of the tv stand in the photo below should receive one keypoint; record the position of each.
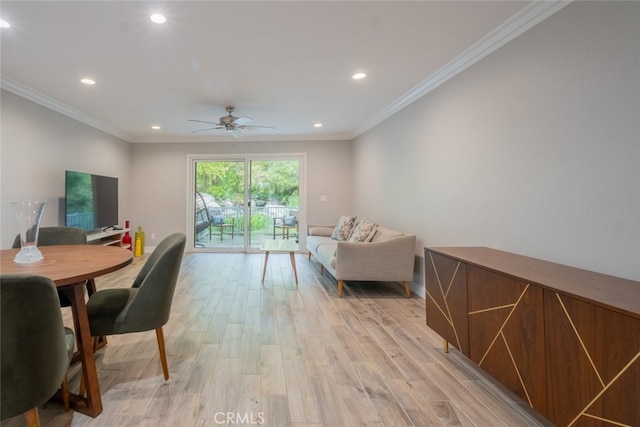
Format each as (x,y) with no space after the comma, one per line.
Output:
(108,238)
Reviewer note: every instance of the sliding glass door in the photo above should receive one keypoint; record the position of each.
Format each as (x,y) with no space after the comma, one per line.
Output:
(238,202)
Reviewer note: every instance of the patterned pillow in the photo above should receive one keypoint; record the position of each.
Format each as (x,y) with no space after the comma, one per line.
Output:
(363,232)
(344,228)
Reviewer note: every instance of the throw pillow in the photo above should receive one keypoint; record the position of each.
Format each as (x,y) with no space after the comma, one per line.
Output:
(290,220)
(363,232)
(383,234)
(344,228)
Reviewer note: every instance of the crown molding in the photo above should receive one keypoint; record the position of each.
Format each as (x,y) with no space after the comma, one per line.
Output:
(246,138)
(529,16)
(26,92)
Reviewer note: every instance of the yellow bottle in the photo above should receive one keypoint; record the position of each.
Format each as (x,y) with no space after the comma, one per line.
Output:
(140,235)
(138,246)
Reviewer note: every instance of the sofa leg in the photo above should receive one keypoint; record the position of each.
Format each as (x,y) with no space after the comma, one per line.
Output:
(309,259)
(407,289)
(340,284)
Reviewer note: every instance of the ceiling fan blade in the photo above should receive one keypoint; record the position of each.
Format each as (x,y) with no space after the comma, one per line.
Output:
(255,127)
(202,121)
(204,130)
(241,121)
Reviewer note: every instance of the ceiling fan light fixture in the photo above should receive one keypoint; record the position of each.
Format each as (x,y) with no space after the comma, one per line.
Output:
(230,123)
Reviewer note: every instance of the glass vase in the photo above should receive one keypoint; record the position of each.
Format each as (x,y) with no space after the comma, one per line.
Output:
(28,215)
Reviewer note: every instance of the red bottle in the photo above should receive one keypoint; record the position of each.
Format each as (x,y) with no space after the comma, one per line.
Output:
(126,239)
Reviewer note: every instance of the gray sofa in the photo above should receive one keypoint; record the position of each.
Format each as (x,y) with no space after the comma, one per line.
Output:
(389,256)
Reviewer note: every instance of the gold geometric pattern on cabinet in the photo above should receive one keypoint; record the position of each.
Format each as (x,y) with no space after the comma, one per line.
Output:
(446,300)
(506,330)
(606,360)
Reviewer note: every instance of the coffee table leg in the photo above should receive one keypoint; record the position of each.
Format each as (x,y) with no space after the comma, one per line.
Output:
(292,255)
(264,269)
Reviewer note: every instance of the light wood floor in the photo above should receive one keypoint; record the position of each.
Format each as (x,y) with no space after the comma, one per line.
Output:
(245,354)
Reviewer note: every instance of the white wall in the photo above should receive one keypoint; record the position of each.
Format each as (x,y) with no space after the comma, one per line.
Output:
(37,145)
(533,150)
(160,173)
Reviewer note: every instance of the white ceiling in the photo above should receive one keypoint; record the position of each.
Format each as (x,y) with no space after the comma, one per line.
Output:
(285,64)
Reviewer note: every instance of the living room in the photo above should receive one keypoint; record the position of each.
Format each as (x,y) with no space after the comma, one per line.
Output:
(533,150)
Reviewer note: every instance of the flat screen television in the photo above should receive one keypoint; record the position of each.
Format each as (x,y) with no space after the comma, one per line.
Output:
(91,201)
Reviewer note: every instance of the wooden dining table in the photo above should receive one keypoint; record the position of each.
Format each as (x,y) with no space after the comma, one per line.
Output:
(70,267)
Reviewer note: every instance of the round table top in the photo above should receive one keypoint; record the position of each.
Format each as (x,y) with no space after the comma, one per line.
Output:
(69,264)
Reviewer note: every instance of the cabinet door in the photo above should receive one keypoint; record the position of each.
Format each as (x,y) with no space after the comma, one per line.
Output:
(446,287)
(593,361)
(506,333)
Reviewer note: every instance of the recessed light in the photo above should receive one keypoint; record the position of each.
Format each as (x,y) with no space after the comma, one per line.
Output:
(88,81)
(358,76)
(158,18)
(317,125)
(156,127)
(4,24)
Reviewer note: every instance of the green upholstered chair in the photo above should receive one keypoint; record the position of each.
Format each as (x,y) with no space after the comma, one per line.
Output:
(51,236)
(36,348)
(146,305)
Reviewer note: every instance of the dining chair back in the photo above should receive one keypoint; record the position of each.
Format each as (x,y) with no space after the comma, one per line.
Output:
(49,236)
(146,305)
(35,349)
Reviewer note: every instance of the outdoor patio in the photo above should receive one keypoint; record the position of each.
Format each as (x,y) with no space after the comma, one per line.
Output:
(224,227)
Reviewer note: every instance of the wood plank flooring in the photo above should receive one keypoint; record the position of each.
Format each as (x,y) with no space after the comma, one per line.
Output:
(242,353)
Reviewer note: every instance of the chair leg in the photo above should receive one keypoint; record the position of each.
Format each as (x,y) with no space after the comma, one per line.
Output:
(31,417)
(64,389)
(340,285)
(407,289)
(163,353)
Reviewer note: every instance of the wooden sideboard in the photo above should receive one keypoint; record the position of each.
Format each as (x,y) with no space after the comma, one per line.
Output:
(563,339)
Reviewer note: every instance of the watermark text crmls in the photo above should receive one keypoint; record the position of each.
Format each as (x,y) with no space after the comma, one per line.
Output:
(239,418)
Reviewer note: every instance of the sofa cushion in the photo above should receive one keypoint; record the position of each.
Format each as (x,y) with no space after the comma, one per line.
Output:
(326,254)
(383,233)
(321,231)
(344,228)
(314,242)
(363,232)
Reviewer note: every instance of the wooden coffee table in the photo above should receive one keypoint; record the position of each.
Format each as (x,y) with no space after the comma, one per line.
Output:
(279,246)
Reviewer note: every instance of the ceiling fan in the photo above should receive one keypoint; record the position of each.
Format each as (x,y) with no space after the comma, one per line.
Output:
(230,123)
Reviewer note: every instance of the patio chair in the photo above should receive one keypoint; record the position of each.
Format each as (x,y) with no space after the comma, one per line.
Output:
(223,225)
(284,225)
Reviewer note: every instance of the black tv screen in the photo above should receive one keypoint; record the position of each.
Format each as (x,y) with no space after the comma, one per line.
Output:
(91,201)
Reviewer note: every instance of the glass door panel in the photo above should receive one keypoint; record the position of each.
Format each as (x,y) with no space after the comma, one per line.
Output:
(274,197)
(219,204)
(239,202)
